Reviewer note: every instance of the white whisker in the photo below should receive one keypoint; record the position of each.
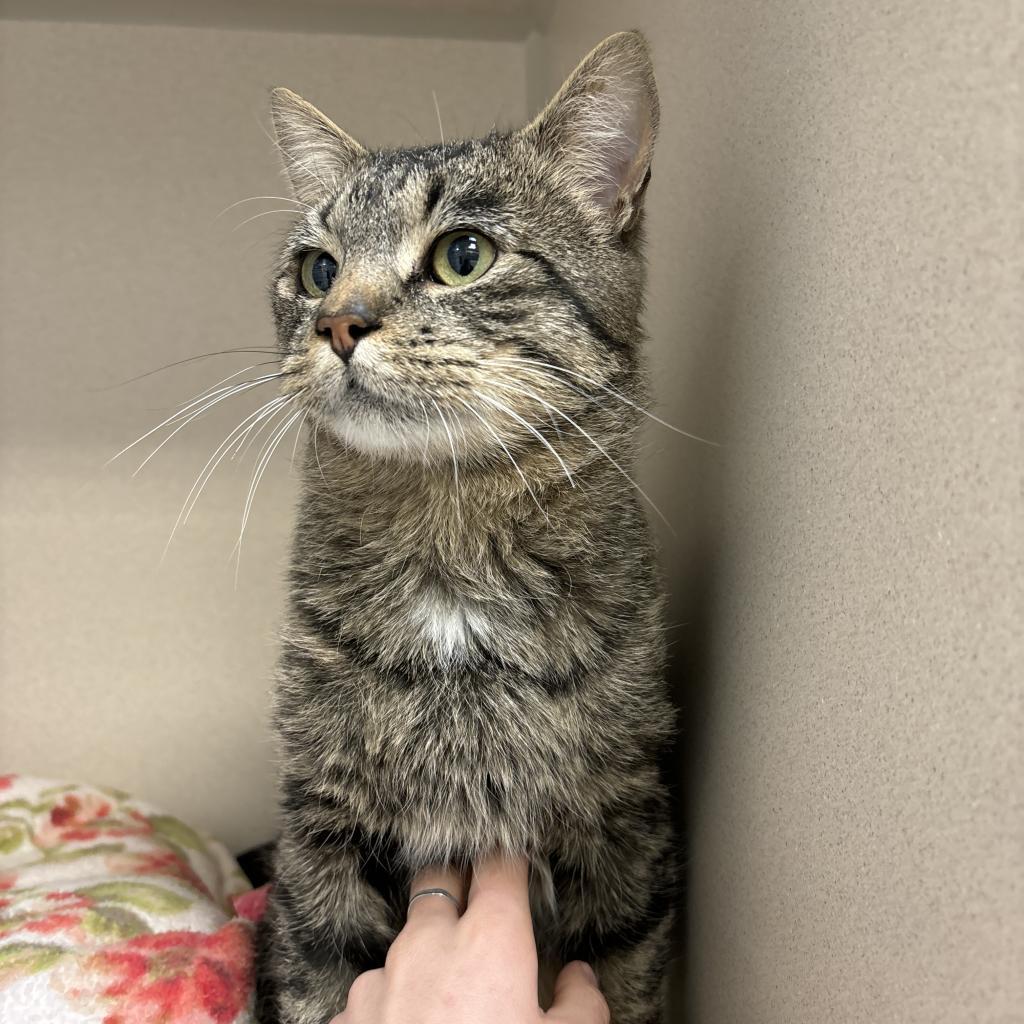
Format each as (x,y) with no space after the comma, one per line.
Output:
(225,392)
(265,213)
(233,375)
(455,460)
(261,468)
(206,472)
(573,423)
(426,439)
(533,430)
(255,429)
(264,413)
(511,457)
(295,447)
(316,452)
(440,127)
(252,199)
(189,419)
(533,363)
(192,359)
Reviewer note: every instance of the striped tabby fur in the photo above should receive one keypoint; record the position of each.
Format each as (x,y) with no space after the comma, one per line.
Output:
(473,653)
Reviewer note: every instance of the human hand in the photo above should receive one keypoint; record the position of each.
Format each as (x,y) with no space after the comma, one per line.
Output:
(474,969)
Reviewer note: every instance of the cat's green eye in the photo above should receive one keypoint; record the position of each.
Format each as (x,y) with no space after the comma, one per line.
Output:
(318,272)
(461,257)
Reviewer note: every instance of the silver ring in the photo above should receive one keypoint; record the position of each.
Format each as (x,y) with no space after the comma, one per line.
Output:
(437,891)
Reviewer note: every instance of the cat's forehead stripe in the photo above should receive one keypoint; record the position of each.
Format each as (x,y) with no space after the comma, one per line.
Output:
(412,184)
(379,191)
(434,194)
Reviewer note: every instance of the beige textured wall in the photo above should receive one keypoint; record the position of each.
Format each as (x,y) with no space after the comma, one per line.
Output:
(835,287)
(836,270)
(119,146)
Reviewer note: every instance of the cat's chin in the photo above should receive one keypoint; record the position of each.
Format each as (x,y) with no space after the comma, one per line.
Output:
(388,434)
(375,436)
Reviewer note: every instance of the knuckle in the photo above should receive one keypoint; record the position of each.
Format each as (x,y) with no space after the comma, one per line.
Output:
(360,989)
(399,948)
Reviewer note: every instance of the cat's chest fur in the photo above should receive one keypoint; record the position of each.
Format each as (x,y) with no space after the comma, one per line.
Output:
(453,673)
(416,583)
(451,625)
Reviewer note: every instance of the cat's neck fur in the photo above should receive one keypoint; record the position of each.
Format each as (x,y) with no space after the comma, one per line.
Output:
(406,572)
(452,508)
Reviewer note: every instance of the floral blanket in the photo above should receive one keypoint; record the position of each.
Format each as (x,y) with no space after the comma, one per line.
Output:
(112,912)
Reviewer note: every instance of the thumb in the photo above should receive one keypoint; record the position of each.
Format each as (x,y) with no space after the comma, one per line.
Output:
(578,1000)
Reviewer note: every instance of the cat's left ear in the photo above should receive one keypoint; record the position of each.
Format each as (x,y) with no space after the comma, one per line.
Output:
(601,126)
(317,153)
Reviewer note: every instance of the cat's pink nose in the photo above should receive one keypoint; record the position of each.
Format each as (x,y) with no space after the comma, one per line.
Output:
(344,331)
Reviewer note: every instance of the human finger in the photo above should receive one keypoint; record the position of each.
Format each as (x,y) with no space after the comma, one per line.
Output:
(364,999)
(502,878)
(437,892)
(578,999)
(500,892)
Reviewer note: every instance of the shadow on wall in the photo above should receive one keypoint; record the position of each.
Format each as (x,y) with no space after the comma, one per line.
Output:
(693,598)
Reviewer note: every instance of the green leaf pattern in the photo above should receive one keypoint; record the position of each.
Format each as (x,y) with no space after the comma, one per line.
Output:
(177,832)
(114,923)
(83,868)
(13,833)
(153,899)
(20,958)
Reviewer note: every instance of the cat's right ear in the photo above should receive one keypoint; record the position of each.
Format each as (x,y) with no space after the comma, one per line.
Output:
(600,128)
(317,153)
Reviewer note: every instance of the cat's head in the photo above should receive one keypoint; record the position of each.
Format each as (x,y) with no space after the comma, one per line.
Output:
(470,299)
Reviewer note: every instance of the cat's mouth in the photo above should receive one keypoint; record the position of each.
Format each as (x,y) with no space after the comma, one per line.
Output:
(354,390)
(385,418)
(360,399)
(369,406)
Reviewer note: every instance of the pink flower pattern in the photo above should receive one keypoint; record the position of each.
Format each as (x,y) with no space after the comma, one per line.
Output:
(174,977)
(125,911)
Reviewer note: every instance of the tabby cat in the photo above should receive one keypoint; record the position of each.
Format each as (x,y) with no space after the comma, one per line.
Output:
(473,654)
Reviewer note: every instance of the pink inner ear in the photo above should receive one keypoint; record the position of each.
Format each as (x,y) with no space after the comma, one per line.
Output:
(619,137)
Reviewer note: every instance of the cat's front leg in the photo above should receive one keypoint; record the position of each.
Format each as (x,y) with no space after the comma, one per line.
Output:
(331,915)
(616,898)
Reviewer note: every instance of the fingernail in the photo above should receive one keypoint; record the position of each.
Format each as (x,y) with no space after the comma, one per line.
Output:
(587,971)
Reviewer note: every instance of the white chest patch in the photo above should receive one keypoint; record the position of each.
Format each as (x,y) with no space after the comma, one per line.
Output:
(449,627)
